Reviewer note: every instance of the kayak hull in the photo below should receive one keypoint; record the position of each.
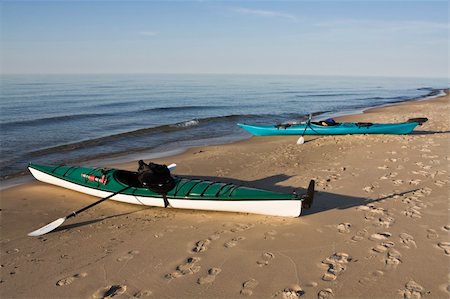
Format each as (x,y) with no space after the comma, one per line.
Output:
(340,129)
(230,198)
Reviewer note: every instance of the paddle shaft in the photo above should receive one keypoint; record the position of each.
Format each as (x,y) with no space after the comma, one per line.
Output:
(73,214)
(307,125)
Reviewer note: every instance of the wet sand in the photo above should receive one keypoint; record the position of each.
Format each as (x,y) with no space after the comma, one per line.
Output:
(379,226)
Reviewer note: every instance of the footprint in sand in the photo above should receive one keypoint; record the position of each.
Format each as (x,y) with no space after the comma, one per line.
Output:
(390,175)
(325,294)
(344,227)
(421,172)
(360,235)
(445,246)
(290,293)
(110,291)
(380,236)
(371,211)
(393,160)
(407,240)
(440,183)
(70,279)
(412,290)
(397,182)
(270,235)
(142,294)
(13,251)
(238,227)
(266,257)
(446,228)
(409,200)
(380,248)
(445,287)
(212,273)
(393,259)
(369,217)
(369,189)
(248,286)
(373,277)
(201,245)
(385,221)
(415,182)
(189,267)
(336,265)
(412,212)
(215,236)
(233,242)
(128,256)
(432,234)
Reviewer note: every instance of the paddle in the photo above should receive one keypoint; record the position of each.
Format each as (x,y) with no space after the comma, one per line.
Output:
(53,225)
(301,140)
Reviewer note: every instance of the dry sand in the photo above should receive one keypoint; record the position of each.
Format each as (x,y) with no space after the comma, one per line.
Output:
(379,226)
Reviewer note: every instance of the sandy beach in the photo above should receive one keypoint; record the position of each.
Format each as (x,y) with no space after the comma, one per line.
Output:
(379,226)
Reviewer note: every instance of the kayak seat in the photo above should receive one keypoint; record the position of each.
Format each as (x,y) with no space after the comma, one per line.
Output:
(326,123)
(282,126)
(364,125)
(129,178)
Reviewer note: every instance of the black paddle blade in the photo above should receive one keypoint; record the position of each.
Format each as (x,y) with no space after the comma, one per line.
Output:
(308,198)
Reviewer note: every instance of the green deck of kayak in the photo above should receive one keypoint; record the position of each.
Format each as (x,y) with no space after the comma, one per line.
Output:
(185,188)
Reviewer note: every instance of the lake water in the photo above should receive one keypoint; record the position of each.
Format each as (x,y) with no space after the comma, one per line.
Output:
(70,119)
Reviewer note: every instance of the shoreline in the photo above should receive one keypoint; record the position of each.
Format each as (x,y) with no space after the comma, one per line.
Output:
(380,217)
(24,177)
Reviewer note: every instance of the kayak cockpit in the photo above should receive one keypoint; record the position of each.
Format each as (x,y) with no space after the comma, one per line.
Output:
(128,178)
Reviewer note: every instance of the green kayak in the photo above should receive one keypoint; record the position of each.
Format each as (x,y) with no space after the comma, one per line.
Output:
(185,194)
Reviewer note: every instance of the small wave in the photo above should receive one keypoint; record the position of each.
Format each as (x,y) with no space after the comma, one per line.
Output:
(116,104)
(389,99)
(169,128)
(435,93)
(324,95)
(181,108)
(50,120)
(189,123)
(80,95)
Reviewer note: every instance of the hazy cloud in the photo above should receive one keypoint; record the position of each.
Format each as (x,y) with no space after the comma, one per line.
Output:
(264,13)
(388,26)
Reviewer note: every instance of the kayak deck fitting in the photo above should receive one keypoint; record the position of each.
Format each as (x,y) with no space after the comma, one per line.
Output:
(187,193)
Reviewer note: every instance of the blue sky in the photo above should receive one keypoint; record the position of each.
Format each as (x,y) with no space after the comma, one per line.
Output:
(380,38)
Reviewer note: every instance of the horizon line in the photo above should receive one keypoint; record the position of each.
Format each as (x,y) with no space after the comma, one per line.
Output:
(228,74)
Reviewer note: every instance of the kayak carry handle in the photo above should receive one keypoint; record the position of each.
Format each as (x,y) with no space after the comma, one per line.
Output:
(419,120)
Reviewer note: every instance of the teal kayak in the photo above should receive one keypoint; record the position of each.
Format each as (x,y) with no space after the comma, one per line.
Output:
(186,193)
(322,128)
